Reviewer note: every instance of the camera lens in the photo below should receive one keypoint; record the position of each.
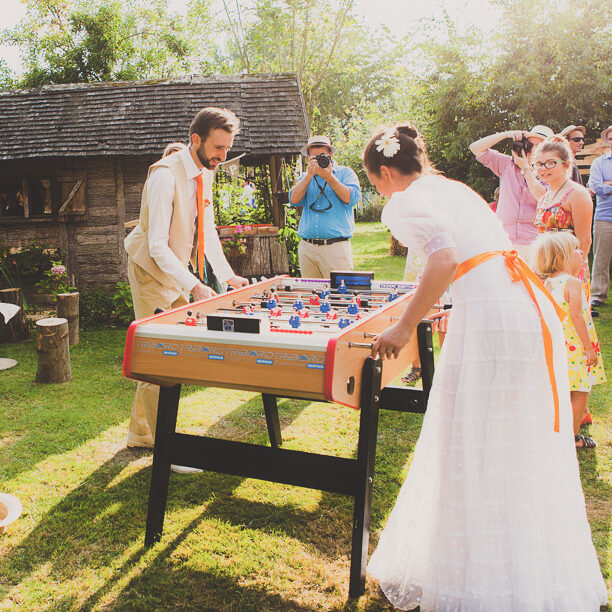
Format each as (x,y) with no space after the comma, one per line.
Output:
(323,160)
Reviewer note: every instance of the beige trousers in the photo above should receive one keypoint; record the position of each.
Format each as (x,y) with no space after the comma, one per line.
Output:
(148,295)
(317,261)
(602,253)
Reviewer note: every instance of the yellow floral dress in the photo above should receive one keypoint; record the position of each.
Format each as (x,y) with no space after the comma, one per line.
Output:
(581,376)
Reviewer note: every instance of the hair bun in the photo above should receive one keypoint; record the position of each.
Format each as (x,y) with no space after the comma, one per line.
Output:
(408,130)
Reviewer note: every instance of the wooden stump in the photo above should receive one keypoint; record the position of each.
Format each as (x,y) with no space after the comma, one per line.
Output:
(395,248)
(17,328)
(53,351)
(68,308)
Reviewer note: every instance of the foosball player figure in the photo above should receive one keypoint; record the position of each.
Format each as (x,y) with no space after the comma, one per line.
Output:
(271,303)
(357,298)
(343,322)
(190,319)
(324,307)
(332,315)
(342,287)
(298,304)
(393,295)
(304,313)
(324,294)
(247,310)
(314,299)
(277,311)
(294,319)
(353,307)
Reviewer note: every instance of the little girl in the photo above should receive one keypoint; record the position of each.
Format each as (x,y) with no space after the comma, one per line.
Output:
(557,255)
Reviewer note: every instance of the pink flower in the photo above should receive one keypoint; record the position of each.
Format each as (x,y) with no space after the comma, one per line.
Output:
(247,228)
(58,270)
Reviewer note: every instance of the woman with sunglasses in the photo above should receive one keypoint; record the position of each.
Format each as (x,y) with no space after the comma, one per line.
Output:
(575,135)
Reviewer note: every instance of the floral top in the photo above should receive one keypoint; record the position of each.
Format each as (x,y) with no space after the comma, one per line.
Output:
(555,217)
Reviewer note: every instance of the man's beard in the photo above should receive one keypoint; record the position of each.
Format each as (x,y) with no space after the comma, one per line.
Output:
(205,161)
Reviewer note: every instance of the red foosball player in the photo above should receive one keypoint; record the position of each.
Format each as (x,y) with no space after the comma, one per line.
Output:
(247,310)
(276,311)
(304,313)
(314,299)
(357,298)
(190,319)
(332,315)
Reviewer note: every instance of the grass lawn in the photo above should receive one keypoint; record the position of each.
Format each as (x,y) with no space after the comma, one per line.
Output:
(229,543)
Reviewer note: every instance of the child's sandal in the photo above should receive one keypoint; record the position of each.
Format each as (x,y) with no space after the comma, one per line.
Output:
(412,376)
(584,441)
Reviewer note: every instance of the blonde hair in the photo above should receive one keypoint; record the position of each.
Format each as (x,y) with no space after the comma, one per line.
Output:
(552,251)
(173,147)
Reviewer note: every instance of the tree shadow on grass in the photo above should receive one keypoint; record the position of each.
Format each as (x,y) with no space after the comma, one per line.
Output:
(598,497)
(105,516)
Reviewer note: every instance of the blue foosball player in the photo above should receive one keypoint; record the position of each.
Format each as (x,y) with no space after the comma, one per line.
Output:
(324,307)
(294,319)
(393,295)
(298,304)
(353,307)
(342,288)
(324,294)
(343,322)
(271,303)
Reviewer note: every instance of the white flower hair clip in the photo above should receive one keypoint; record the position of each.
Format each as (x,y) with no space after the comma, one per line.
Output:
(388,143)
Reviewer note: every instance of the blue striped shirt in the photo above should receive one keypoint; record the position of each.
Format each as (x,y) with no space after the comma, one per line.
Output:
(601,170)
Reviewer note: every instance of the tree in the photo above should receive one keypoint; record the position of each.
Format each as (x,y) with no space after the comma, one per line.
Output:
(336,58)
(70,41)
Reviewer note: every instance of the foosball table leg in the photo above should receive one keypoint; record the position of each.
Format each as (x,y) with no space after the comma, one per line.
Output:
(167,411)
(426,355)
(366,453)
(272,420)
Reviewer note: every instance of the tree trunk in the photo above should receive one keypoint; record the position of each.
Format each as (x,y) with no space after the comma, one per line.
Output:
(53,351)
(17,328)
(68,308)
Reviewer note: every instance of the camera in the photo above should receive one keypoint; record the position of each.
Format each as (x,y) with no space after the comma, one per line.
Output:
(518,146)
(323,159)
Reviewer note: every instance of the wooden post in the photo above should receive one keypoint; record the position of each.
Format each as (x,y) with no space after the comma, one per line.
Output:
(53,351)
(68,308)
(17,328)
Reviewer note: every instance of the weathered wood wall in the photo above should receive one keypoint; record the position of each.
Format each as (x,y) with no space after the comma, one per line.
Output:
(91,244)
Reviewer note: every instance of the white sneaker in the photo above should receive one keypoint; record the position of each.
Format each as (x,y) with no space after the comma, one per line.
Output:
(183,469)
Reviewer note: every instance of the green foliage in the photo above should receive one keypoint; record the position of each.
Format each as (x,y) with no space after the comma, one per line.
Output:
(123,305)
(231,208)
(98,307)
(339,61)
(104,40)
(289,237)
(371,209)
(24,265)
(55,280)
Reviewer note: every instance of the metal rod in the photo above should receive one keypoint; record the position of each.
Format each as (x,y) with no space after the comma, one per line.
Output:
(359,345)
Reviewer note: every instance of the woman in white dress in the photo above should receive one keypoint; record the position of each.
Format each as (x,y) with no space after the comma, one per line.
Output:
(491,517)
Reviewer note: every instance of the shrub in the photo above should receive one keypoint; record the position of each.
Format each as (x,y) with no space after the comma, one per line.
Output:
(372,208)
(95,307)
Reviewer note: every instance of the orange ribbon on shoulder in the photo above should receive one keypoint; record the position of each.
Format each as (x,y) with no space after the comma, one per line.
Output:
(520,271)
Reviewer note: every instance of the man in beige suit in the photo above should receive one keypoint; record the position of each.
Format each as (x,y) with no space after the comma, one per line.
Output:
(163,243)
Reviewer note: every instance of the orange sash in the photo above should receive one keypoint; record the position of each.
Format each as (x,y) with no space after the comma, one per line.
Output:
(520,271)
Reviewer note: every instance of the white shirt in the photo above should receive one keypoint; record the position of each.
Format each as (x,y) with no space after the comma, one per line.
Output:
(161,184)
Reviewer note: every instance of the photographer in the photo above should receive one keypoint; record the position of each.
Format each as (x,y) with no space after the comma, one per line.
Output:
(519,188)
(327,194)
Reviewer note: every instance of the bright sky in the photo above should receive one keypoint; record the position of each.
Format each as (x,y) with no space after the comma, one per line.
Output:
(400,16)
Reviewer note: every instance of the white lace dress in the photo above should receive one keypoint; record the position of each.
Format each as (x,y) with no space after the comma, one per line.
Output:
(491,517)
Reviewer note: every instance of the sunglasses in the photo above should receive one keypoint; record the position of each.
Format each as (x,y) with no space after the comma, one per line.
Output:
(578,139)
(549,164)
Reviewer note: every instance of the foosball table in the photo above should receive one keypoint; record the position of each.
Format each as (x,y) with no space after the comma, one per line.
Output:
(281,337)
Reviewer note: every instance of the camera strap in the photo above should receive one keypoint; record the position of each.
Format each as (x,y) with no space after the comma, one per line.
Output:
(321,193)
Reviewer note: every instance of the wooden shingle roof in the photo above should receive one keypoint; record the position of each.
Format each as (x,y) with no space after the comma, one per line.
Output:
(140,118)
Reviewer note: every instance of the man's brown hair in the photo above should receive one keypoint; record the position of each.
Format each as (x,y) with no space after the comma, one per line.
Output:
(213,118)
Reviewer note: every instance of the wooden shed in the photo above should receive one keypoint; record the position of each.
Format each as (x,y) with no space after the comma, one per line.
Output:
(73,158)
